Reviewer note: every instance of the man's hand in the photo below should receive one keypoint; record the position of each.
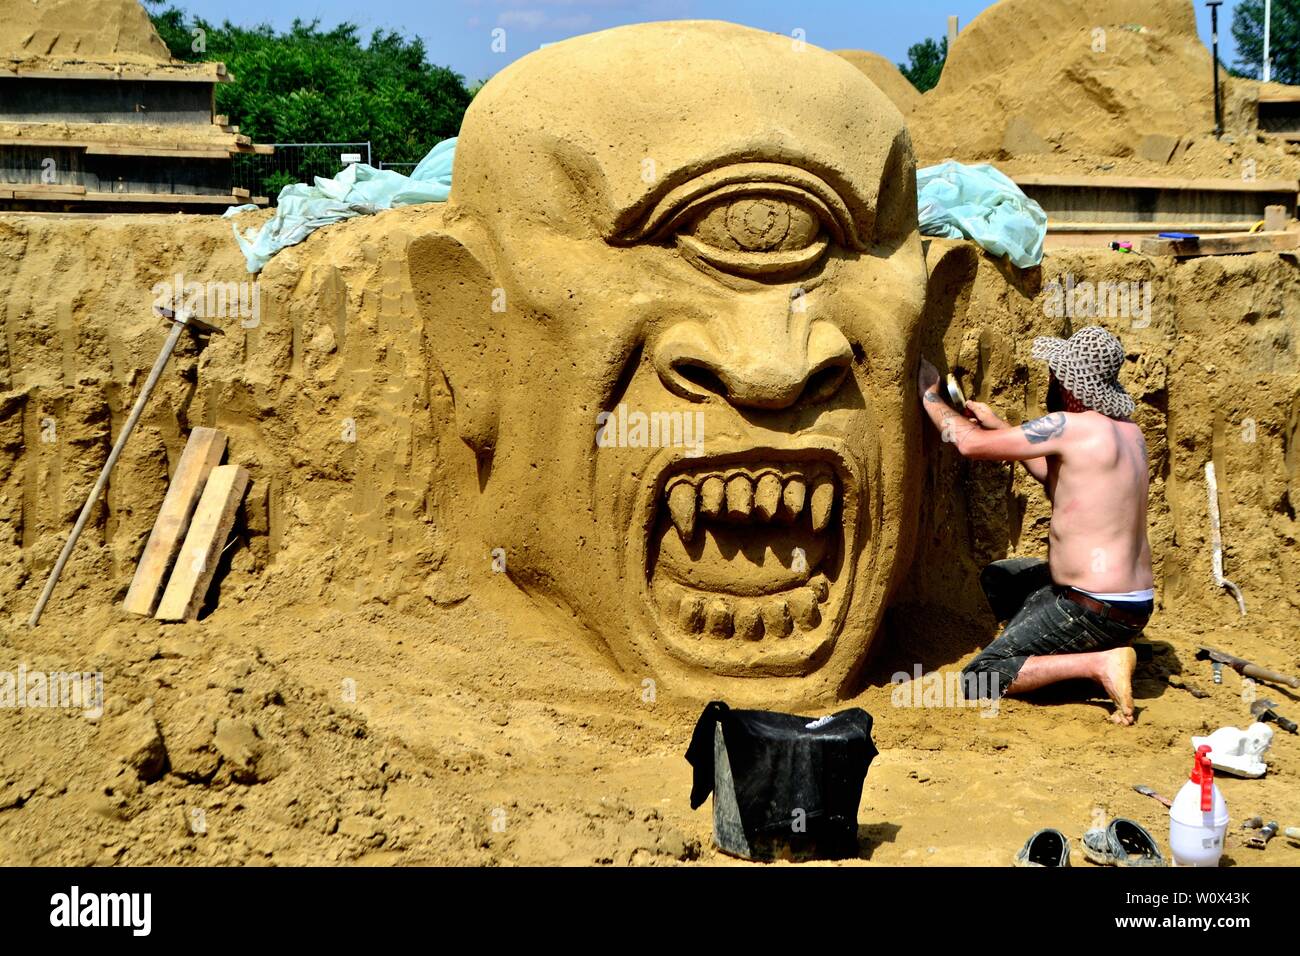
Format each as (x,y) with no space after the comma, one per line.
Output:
(984,416)
(927,377)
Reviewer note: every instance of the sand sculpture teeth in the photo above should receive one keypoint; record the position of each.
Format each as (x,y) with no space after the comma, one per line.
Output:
(823,499)
(690,614)
(803,607)
(767,496)
(748,624)
(740,495)
(777,621)
(749,618)
(712,490)
(769,504)
(717,618)
(792,498)
(681,508)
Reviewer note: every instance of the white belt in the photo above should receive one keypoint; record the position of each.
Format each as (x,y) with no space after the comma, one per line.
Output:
(1146,595)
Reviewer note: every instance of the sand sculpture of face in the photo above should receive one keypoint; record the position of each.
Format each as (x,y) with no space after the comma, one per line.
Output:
(671,227)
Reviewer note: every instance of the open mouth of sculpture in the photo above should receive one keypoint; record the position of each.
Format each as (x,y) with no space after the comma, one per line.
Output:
(746,555)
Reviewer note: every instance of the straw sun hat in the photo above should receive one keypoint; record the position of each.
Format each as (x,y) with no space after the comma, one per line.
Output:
(1087,364)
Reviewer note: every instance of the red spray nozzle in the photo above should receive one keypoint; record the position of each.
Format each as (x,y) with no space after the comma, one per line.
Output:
(1203,773)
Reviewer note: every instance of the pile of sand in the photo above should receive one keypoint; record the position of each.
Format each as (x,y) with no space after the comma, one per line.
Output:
(1123,87)
(886,76)
(96,30)
(1012,32)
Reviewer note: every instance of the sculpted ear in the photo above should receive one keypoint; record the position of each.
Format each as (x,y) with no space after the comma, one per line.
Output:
(945,328)
(462,334)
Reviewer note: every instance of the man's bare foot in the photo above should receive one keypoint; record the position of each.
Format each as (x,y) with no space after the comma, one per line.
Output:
(1116,676)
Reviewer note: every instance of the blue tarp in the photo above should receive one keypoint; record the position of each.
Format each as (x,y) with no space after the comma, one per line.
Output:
(978,202)
(358,190)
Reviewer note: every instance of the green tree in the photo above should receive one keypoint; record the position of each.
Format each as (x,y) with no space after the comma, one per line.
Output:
(1284,39)
(314,85)
(925,62)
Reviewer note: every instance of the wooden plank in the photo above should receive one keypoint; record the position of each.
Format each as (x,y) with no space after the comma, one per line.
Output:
(56,143)
(1281,96)
(188,199)
(197,562)
(111,75)
(52,191)
(189,73)
(1146,228)
(202,453)
(161,199)
(1223,245)
(215,151)
(95,149)
(1156,182)
(240,192)
(1283,137)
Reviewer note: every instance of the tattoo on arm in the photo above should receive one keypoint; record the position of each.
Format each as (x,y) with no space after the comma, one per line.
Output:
(932,397)
(1045,428)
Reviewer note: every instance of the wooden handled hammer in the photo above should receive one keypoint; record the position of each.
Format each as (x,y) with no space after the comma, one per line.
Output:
(1244,667)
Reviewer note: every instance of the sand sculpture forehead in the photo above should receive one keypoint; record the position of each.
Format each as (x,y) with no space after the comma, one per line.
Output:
(592,132)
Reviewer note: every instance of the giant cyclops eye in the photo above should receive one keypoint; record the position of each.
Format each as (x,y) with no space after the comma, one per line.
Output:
(771,233)
(760,221)
(756,235)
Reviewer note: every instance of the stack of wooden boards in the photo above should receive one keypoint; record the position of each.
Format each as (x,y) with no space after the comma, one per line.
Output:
(195,520)
(1222,244)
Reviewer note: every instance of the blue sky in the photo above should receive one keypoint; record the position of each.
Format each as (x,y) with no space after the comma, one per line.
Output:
(458,33)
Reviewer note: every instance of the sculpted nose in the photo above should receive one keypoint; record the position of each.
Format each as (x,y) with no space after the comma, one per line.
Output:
(753,367)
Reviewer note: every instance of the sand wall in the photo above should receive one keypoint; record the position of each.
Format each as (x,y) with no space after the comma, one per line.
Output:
(1213,365)
(328,401)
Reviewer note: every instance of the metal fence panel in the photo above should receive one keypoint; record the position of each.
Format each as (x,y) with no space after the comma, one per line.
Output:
(264,175)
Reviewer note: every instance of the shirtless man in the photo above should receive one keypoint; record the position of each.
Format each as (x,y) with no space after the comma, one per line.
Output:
(1075,614)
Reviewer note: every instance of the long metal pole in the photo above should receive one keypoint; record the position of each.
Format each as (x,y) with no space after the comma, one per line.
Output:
(163,356)
(1214,40)
(1268,24)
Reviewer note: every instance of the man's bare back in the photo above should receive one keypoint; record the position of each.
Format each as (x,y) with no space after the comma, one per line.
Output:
(1098,481)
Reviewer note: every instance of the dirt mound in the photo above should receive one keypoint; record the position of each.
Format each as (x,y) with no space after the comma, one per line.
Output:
(885,74)
(1012,32)
(1126,96)
(1077,100)
(103,30)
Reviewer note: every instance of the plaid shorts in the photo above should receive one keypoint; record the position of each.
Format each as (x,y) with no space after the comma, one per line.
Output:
(1040,620)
